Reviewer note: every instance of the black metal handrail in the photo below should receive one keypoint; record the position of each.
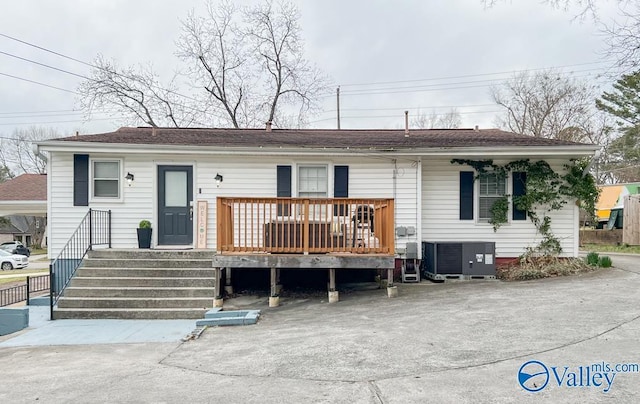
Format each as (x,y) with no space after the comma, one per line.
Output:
(19,293)
(94,230)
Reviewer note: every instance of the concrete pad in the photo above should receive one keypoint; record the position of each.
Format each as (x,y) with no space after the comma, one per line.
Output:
(440,343)
(88,332)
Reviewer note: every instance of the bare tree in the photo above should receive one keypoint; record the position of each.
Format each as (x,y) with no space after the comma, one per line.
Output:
(433,120)
(275,34)
(135,93)
(249,62)
(544,104)
(217,59)
(16,152)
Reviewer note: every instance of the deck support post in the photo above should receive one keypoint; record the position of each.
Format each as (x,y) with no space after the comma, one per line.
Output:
(227,286)
(274,298)
(278,284)
(334,296)
(392,290)
(217,300)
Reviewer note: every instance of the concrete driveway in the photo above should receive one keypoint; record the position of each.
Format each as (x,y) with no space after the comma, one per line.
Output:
(440,343)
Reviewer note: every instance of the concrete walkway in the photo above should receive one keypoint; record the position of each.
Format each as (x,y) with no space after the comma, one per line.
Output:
(42,332)
(459,342)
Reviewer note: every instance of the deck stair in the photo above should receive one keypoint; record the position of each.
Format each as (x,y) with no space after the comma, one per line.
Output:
(140,284)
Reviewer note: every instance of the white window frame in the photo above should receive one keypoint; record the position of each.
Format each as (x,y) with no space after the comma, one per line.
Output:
(479,196)
(92,179)
(313,165)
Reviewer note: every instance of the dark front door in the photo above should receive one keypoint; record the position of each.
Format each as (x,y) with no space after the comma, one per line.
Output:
(175,210)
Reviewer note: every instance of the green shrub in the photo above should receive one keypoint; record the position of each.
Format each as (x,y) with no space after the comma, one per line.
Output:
(605,262)
(144,224)
(593,259)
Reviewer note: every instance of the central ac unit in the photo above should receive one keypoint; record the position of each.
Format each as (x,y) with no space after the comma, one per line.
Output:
(458,260)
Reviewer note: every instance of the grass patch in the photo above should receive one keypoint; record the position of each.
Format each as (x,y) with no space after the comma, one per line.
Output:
(622,248)
(38,251)
(544,267)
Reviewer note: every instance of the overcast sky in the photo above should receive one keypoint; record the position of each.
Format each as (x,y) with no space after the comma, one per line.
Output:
(420,42)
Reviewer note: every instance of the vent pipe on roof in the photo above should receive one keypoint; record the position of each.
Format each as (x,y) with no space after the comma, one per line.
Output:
(77,133)
(476,128)
(406,123)
(153,131)
(268,128)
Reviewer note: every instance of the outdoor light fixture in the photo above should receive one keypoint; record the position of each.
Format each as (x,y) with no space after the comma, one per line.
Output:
(218,179)
(129,178)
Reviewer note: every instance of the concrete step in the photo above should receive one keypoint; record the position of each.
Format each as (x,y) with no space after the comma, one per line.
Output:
(147,263)
(164,292)
(155,314)
(86,271)
(108,281)
(134,303)
(151,254)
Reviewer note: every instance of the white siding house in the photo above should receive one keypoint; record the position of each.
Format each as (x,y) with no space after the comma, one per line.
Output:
(413,169)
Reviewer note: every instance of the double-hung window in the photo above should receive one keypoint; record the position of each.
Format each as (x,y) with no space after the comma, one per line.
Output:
(312,181)
(106,179)
(492,187)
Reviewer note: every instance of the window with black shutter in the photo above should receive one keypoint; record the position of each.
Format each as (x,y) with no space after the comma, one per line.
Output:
(80,180)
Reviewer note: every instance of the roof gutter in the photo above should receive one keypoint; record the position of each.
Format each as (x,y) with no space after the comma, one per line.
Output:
(35,147)
(85,147)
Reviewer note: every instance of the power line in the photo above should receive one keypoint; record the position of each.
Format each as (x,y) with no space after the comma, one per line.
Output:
(87,64)
(47,115)
(496,80)
(46,50)
(411,90)
(44,65)
(398,116)
(50,122)
(39,83)
(468,75)
(410,108)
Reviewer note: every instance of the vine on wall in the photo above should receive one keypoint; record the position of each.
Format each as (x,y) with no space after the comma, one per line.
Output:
(546,191)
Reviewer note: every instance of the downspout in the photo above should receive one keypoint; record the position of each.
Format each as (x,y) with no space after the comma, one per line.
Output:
(36,151)
(395,203)
(595,157)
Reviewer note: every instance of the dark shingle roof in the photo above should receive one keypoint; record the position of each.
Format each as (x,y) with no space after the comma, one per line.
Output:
(26,187)
(361,138)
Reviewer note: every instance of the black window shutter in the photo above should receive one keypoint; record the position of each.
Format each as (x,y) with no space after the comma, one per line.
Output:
(284,188)
(466,195)
(80,180)
(341,181)
(519,188)
(340,188)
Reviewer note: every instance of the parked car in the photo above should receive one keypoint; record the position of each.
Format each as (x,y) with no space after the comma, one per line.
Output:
(15,247)
(9,261)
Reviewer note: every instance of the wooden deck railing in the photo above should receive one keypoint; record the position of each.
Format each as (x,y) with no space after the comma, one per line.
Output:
(305,225)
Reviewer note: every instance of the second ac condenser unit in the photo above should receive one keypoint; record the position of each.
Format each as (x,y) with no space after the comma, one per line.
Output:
(451,260)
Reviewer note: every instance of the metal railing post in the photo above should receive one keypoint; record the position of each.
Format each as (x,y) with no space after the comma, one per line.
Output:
(51,289)
(90,229)
(109,227)
(28,290)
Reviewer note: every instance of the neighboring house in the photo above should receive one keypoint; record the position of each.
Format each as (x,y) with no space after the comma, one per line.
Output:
(171,172)
(9,232)
(23,200)
(611,200)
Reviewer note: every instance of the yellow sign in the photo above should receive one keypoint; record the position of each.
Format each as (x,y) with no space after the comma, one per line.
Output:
(202,225)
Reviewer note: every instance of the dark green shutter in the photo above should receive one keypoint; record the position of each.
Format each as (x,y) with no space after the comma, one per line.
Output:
(80,180)
(283,188)
(519,189)
(466,195)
